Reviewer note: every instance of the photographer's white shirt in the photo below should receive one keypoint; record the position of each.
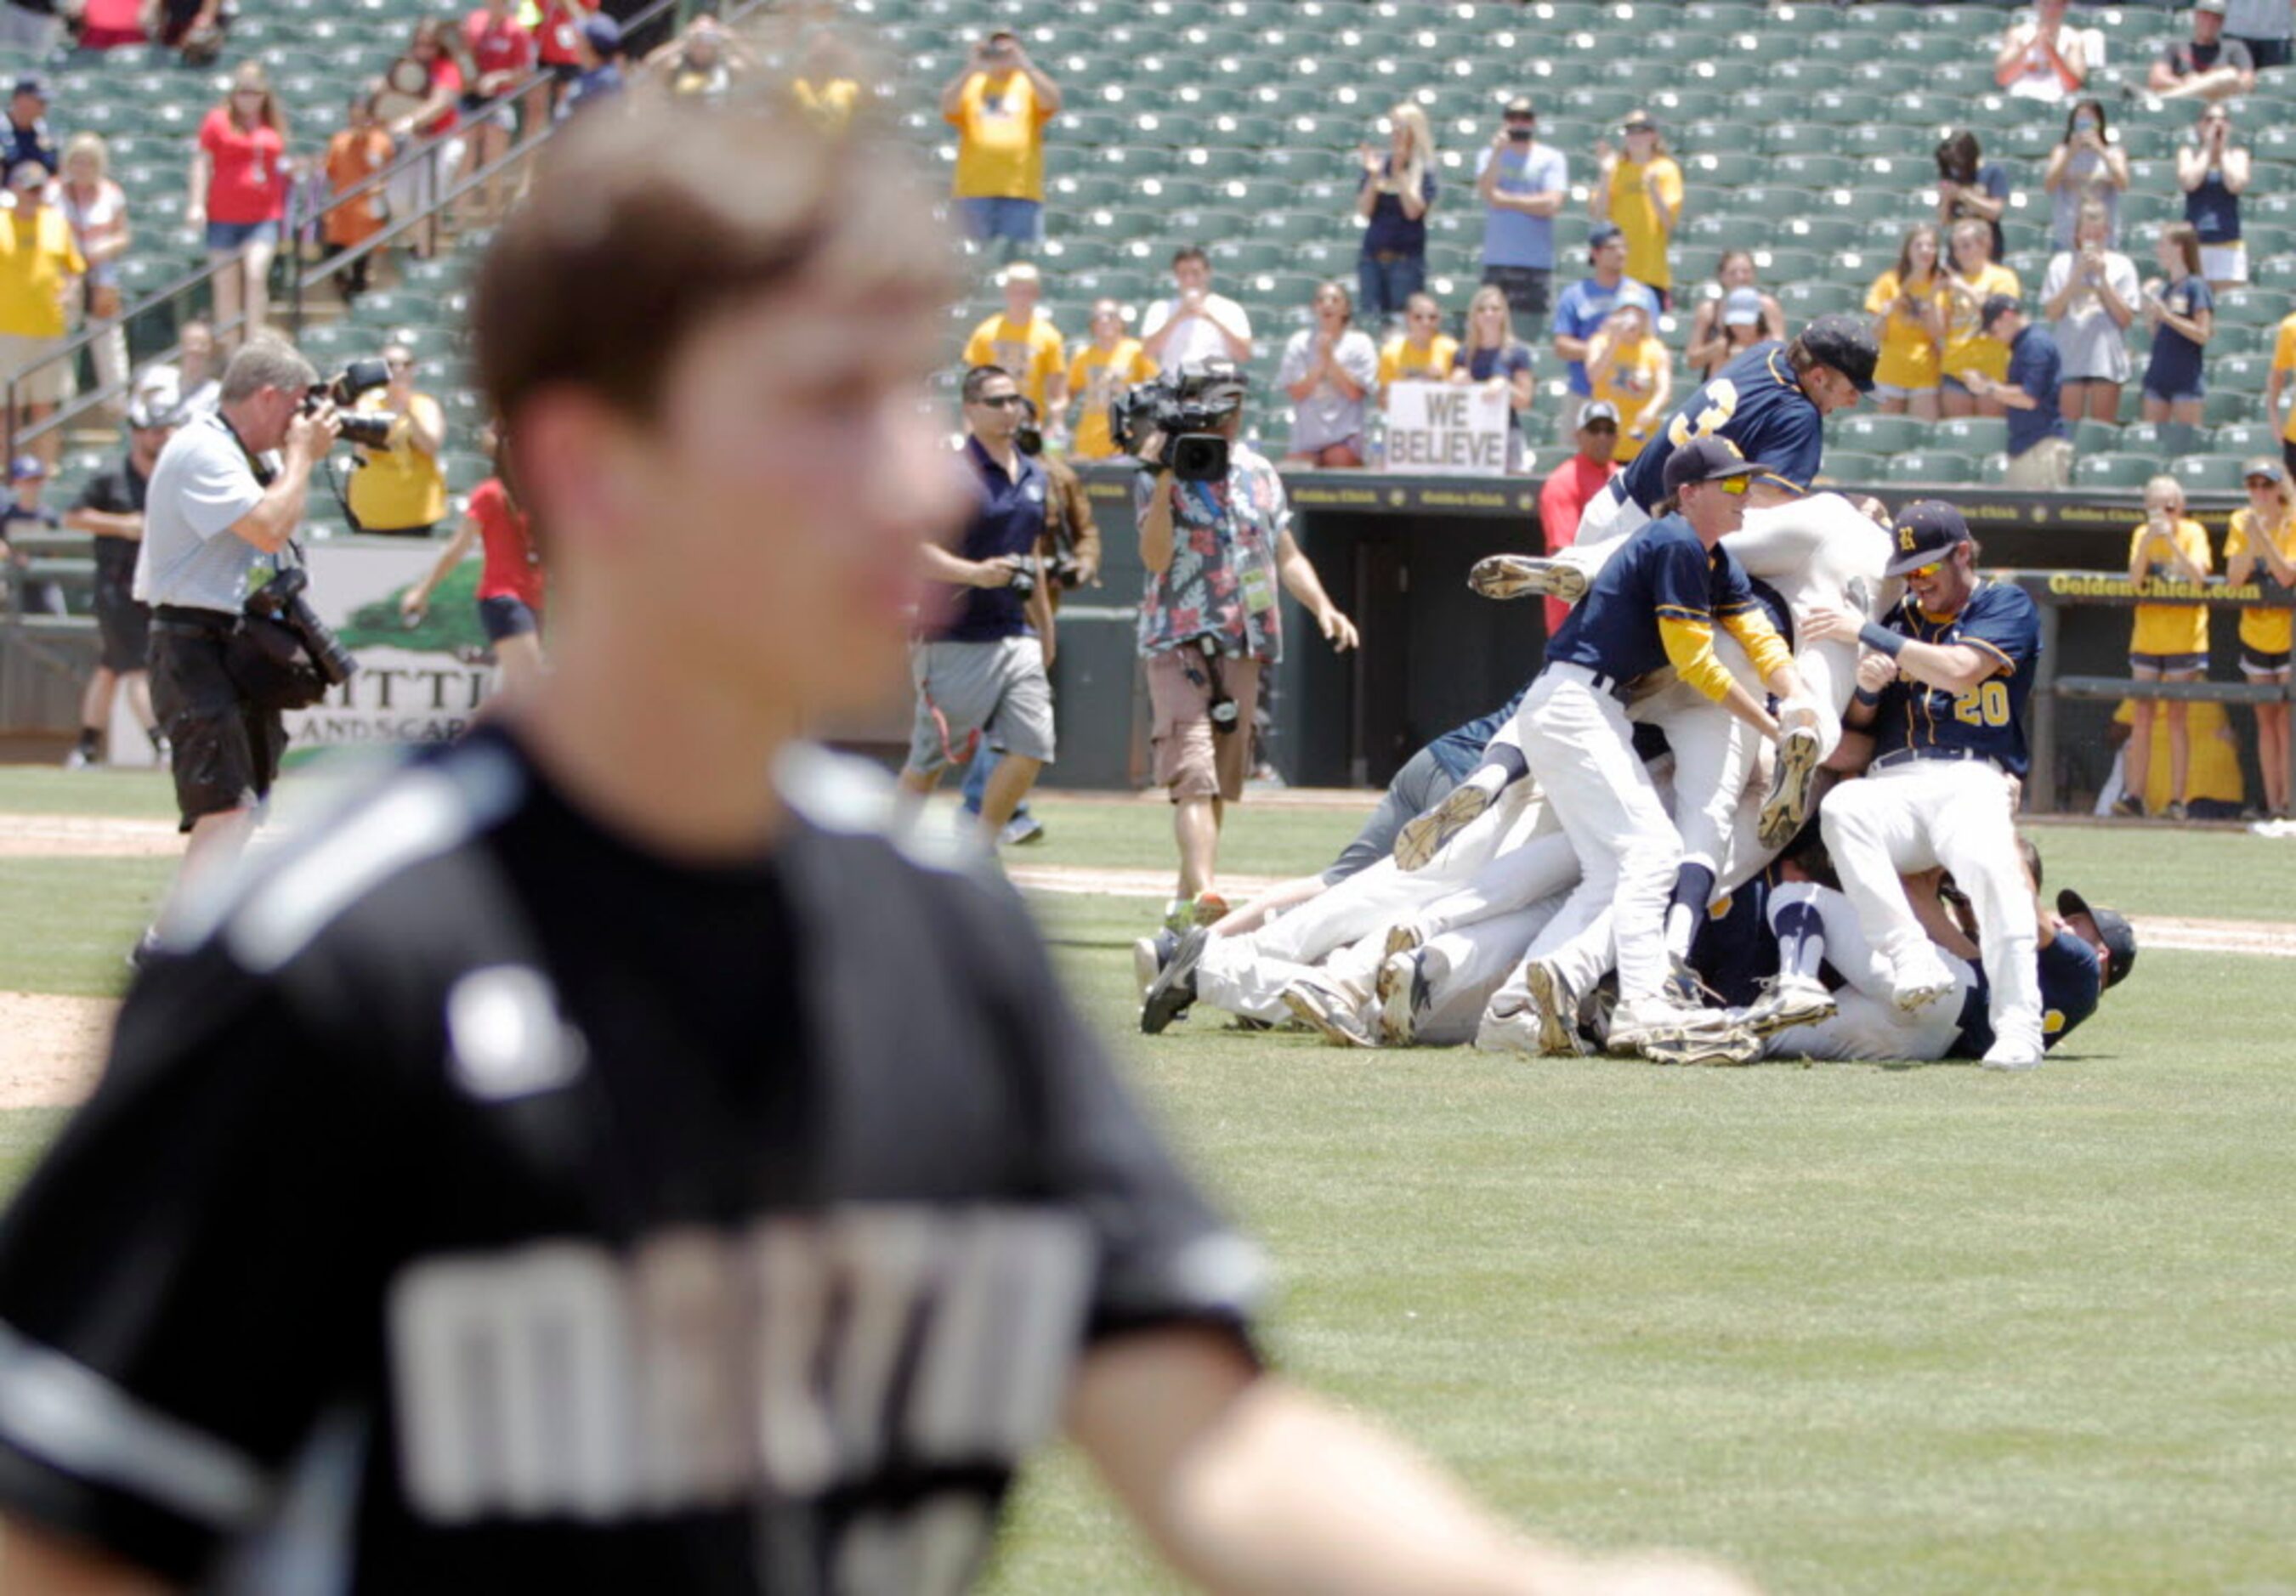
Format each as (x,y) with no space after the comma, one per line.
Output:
(1194,337)
(202,485)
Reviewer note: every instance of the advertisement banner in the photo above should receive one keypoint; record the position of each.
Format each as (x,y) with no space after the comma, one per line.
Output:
(1447,429)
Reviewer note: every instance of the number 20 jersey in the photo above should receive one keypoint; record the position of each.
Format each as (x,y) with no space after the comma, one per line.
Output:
(1987,722)
(1754,402)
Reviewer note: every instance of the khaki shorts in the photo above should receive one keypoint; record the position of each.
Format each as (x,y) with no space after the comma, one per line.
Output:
(51,384)
(1192,759)
(2049,463)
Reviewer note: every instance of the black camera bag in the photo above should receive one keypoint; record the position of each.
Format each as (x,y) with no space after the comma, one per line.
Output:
(265,660)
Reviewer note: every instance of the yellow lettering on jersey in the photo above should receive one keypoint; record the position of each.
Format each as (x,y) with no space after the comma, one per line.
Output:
(1985,704)
(1721,404)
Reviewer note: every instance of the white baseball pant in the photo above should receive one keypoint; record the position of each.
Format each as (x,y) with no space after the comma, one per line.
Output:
(1866,1022)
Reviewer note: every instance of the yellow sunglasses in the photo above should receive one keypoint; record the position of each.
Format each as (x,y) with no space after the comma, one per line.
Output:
(1925,572)
(1735,486)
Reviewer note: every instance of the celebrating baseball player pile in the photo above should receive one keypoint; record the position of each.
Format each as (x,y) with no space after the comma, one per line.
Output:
(1668,813)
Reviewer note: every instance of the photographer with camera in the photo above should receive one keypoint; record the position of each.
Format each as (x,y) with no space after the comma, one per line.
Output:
(216,506)
(978,662)
(1216,536)
(399,490)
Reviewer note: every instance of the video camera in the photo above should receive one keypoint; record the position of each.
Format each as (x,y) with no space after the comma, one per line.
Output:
(1185,410)
(371,430)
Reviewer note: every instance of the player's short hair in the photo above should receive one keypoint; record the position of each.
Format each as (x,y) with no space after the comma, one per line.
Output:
(266,360)
(1191,252)
(644,226)
(977,378)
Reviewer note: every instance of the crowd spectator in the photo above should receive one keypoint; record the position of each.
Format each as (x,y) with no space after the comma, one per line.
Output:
(2207,66)
(1973,278)
(109,24)
(190,383)
(97,212)
(25,516)
(703,63)
(355,153)
(1021,341)
(1971,187)
(2039,443)
(1569,487)
(2045,58)
(28,135)
(999,102)
(2279,397)
(1522,185)
(502,55)
(2088,165)
(1194,323)
(2264,27)
(2166,643)
(1421,352)
(2181,312)
(40,268)
(195,29)
(1393,196)
(2213,171)
(558,44)
(1735,314)
(828,80)
(511,582)
(239,196)
(110,508)
(2262,540)
(1492,357)
(434,81)
(1906,303)
(597,63)
(2090,296)
(400,491)
(29,28)
(1639,192)
(1583,309)
(1329,369)
(1110,362)
(1630,370)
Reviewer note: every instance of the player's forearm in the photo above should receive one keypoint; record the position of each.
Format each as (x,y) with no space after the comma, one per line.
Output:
(38,1564)
(1955,666)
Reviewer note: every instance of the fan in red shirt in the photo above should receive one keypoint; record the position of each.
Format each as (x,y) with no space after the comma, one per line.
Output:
(238,193)
(509,580)
(561,27)
(413,188)
(1562,497)
(501,57)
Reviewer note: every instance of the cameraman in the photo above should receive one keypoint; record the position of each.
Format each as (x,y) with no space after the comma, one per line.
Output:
(1214,553)
(215,506)
(978,664)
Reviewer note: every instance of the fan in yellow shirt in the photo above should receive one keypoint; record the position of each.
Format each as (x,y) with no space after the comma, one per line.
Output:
(1023,342)
(1421,352)
(2277,384)
(1628,368)
(1641,191)
(1974,279)
(1909,325)
(998,102)
(2167,642)
(2262,544)
(1102,369)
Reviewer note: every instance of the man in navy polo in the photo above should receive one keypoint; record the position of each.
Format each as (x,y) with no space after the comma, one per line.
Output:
(978,663)
(2041,446)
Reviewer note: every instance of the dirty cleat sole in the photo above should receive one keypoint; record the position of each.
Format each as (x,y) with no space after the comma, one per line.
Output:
(1424,835)
(1520,576)
(1788,803)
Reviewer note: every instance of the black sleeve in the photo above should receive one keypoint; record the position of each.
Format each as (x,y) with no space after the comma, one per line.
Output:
(1166,1255)
(187,1277)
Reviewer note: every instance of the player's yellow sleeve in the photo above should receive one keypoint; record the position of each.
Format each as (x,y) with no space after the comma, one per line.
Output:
(1761,640)
(1690,650)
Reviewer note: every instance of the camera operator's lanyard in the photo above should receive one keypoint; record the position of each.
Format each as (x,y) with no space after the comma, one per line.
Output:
(265,476)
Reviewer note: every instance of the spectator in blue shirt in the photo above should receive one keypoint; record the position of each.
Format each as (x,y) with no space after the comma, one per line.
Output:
(1584,307)
(1397,190)
(2213,171)
(2181,312)
(27,134)
(1523,184)
(2040,446)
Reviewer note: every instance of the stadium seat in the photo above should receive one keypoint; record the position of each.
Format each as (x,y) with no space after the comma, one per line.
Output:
(2226,405)
(1801,301)
(1814,170)
(2112,471)
(2208,473)
(1851,465)
(2244,438)
(1972,434)
(1723,169)
(2096,438)
(1880,434)
(1930,465)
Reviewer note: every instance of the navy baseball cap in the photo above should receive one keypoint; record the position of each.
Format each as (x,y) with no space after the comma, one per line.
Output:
(1602,233)
(1706,460)
(603,33)
(1925,530)
(32,84)
(2111,929)
(1846,343)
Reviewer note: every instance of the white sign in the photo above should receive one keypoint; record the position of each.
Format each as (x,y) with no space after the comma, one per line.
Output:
(414,685)
(1447,429)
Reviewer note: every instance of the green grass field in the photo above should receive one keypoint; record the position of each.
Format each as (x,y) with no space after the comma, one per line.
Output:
(1860,1328)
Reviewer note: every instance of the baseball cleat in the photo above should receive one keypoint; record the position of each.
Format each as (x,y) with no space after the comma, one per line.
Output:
(1175,986)
(1329,1011)
(1516,575)
(1788,803)
(1424,835)
(1149,954)
(1404,995)
(1558,1010)
(1732,1044)
(1516,1031)
(1644,1019)
(1405,936)
(2012,1055)
(1920,980)
(1788,1001)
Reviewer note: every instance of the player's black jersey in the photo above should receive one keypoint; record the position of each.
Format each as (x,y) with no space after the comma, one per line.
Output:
(490,1205)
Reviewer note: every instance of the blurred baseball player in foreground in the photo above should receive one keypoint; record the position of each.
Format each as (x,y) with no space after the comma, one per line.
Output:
(522,1183)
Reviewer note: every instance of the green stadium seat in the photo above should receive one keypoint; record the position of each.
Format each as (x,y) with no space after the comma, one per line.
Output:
(2241,374)
(1879,434)
(2096,438)
(1676,106)
(1972,434)
(1298,226)
(1814,170)
(1926,48)
(2208,473)
(1851,465)
(2123,471)
(1821,233)
(2244,438)
(2253,307)
(1930,465)
(1784,263)
(1723,169)
(1964,76)
(2224,406)
(1799,138)
(1801,301)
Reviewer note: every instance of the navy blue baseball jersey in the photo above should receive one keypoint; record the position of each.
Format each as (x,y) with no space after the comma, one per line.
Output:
(1988,722)
(1754,402)
(1662,573)
(2072,982)
(1461,748)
